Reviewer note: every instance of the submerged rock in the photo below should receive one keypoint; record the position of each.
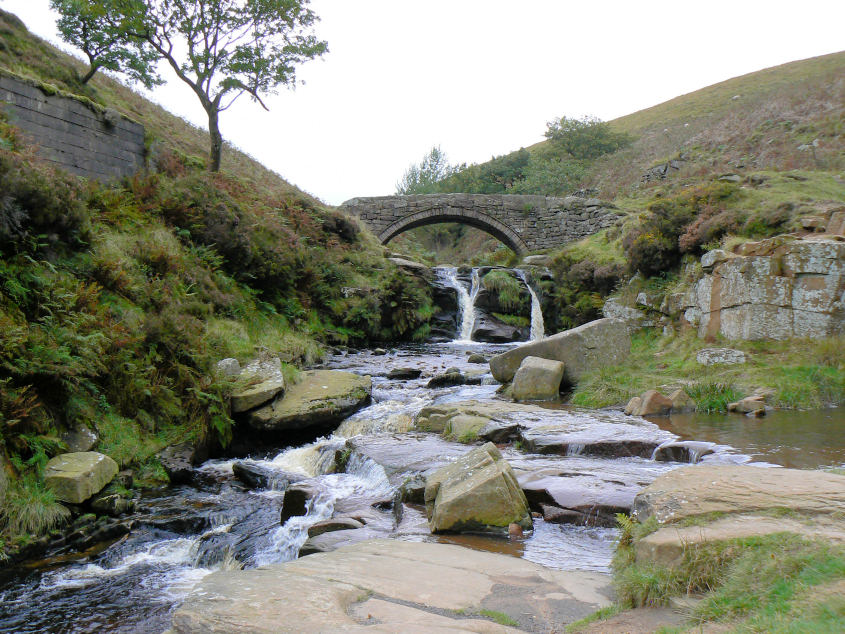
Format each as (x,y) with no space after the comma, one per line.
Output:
(478,492)
(321,398)
(258,477)
(75,477)
(583,349)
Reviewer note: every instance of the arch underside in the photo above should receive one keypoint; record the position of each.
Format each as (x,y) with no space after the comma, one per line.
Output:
(482,221)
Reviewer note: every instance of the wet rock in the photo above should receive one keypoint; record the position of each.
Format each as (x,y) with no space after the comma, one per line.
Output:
(228,368)
(378,352)
(583,349)
(447,379)
(178,461)
(752,405)
(549,441)
(258,477)
(653,403)
(490,330)
(334,524)
(392,586)
(478,492)
(321,398)
(499,432)
(537,379)
(716,356)
(683,451)
(75,477)
(114,504)
(405,374)
(476,358)
(295,502)
(80,439)
(264,383)
(464,427)
(413,489)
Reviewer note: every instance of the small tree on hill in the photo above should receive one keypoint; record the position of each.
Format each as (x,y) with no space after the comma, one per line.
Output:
(422,178)
(586,138)
(90,26)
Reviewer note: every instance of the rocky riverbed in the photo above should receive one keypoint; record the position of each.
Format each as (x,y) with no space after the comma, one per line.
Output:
(328,499)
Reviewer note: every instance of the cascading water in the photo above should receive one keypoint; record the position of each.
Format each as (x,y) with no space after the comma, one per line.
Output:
(466,299)
(538,327)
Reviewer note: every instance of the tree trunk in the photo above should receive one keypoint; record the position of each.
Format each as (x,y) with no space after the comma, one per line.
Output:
(90,73)
(216,140)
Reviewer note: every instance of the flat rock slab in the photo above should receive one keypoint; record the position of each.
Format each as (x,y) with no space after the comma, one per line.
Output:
(75,477)
(668,545)
(321,398)
(392,586)
(703,489)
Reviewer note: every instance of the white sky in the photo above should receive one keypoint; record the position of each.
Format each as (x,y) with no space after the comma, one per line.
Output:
(482,77)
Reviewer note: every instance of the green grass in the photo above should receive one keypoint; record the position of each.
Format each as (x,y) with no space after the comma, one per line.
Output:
(599,615)
(30,509)
(802,374)
(517,321)
(499,617)
(510,292)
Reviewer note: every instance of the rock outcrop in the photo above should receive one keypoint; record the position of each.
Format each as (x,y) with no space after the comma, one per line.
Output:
(75,477)
(391,586)
(478,492)
(321,398)
(777,288)
(263,382)
(583,349)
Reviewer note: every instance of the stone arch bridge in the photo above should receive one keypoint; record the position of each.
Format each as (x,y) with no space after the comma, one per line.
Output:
(523,223)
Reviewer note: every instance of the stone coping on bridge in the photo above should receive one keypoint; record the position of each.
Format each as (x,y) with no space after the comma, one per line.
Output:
(523,222)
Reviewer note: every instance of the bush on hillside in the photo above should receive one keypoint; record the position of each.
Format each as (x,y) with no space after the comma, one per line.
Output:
(579,290)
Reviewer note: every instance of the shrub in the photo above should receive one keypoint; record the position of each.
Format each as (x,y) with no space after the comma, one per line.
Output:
(509,292)
(712,397)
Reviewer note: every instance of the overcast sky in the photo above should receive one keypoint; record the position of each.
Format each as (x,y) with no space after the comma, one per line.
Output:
(482,77)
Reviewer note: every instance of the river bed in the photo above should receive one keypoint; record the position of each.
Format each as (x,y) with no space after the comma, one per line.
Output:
(184,533)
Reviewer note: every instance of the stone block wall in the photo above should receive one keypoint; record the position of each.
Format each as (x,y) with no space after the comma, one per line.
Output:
(73,135)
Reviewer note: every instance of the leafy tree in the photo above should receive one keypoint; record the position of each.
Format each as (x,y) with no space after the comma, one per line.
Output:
(90,26)
(223,49)
(586,138)
(423,178)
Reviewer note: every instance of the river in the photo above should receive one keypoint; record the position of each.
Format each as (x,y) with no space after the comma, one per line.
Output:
(183,533)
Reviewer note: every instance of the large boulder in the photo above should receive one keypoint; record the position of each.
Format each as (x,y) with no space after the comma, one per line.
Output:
(478,492)
(75,477)
(263,381)
(582,350)
(392,586)
(321,398)
(537,379)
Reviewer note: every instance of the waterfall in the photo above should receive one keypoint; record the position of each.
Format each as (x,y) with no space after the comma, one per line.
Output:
(538,328)
(466,299)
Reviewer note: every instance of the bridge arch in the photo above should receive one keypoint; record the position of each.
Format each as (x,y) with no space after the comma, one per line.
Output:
(471,217)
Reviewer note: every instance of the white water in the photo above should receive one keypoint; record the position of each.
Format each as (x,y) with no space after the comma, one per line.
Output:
(538,327)
(466,300)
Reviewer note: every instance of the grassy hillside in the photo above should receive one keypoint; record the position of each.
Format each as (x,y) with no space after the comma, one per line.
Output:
(116,301)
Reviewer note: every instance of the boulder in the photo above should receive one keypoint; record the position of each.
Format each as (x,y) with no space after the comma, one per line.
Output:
(537,379)
(582,350)
(478,492)
(723,356)
(653,403)
(681,402)
(489,329)
(334,524)
(405,374)
(80,439)
(295,501)
(264,382)
(753,405)
(464,427)
(446,379)
(476,358)
(75,477)
(258,477)
(179,460)
(321,398)
(228,368)
(537,260)
(633,405)
(114,504)
(392,586)
(414,268)
(689,492)
(615,309)
(836,224)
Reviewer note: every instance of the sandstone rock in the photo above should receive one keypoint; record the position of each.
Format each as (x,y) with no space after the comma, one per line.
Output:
(690,492)
(114,504)
(295,502)
(813,223)
(478,492)
(334,524)
(414,268)
(633,317)
(228,368)
(476,358)
(681,402)
(715,356)
(80,439)
(391,586)
(446,379)
(489,329)
(265,382)
(464,427)
(259,477)
(714,257)
(537,260)
(633,405)
(583,349)
(754,405)
(537,379)
(75,477)
(321,398)
(653,403)
(178,461)
(682,451)
(836,224)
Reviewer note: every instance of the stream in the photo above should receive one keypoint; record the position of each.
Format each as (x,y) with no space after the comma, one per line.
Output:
(184,533)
